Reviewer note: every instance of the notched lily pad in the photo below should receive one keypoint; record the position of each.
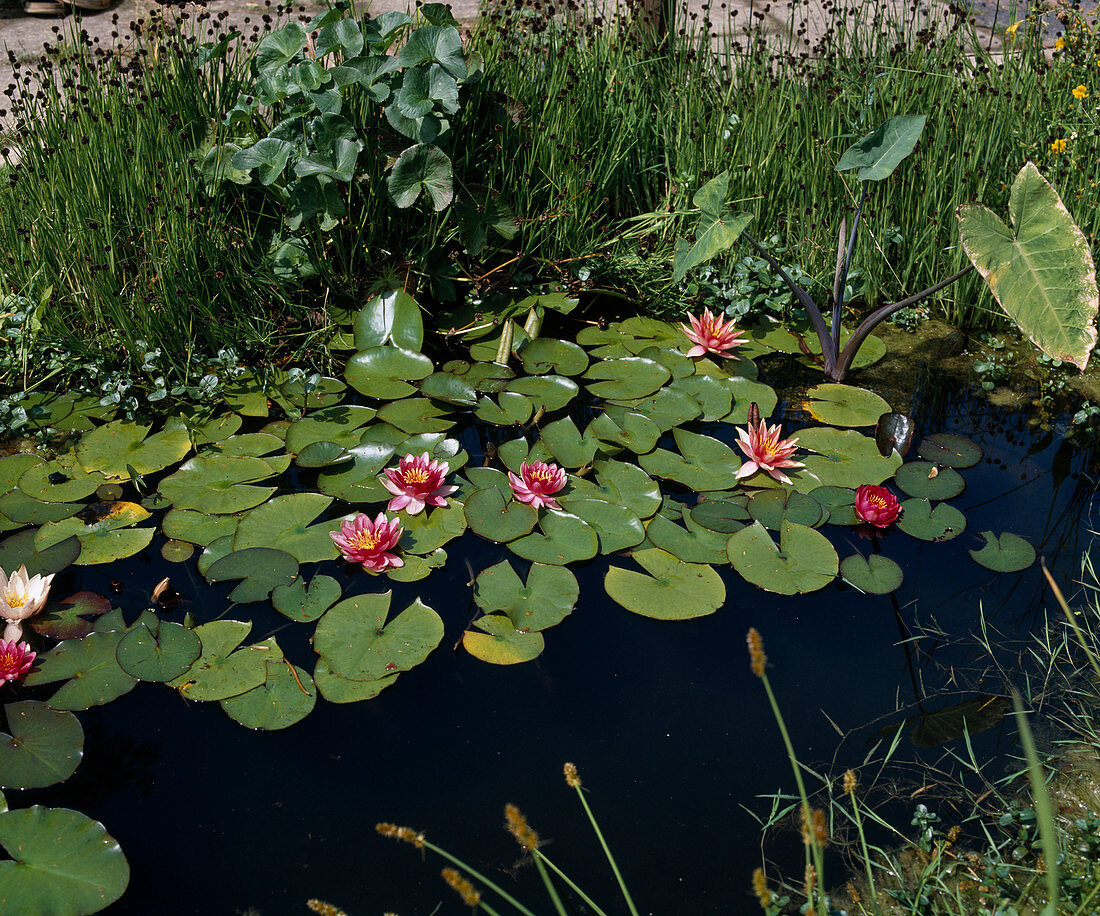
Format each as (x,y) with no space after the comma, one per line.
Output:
(89,668)
(261,568)
(874,575)
(1007,553)
(157,650)
(492,515)
(920,520)
(303,604)
(44,747)
(803,562)
(546,599)
(950,450)
(670,589)
(223,670)
(845,405)
(500,643)
(926,480)
(286,696)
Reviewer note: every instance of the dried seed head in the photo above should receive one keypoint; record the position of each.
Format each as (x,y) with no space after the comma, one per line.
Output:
(517,825)
(849,782)
(406,834)
(325,909)
(462,887)
(571,778)
(757,659)
(760,888)
(811,882)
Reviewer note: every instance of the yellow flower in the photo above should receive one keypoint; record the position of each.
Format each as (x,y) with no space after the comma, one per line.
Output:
(1058,146)
(1059,44)
(1011,30)
(1080,92)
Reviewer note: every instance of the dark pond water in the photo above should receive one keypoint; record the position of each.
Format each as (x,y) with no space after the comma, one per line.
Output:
(671,732)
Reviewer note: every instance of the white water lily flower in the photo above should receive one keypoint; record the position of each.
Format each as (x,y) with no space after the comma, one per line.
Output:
(21,596)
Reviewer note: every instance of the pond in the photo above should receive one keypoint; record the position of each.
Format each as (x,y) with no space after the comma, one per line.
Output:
(670,730)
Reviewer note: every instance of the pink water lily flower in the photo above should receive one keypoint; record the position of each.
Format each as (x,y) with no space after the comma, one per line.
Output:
(877,506)
(711,334)
(766,451)
(362,541)
(417,482)
(21,596)
(537,483)
(16,659)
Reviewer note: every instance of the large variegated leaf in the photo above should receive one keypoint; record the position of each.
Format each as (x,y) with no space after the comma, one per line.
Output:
(1041,271)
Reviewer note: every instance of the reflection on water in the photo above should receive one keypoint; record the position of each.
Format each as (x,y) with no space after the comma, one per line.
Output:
(669,728)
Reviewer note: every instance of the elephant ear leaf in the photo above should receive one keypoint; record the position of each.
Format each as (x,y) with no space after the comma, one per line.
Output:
(1041,270)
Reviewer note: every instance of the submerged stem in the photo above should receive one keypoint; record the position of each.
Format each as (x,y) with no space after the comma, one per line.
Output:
(607,852)
(550,889)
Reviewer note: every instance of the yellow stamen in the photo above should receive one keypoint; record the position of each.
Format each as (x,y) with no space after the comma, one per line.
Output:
(416,475)
(16,599)
(365,540)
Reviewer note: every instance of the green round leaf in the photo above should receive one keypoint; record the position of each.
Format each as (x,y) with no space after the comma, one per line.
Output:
(223,670)
(427,531)
(509,409)
(620,483)
(304,605)
(177,551)
(724,516)
(544,356)
(564,539)
(390,317)
(338,689)
(115,447)
(1007,553)
(44,747)
(625,428)
(385,372)
(771,507)
(628,377)
(920,520)
(500,643)
(57,482)
(416,415)
(550,392)
(341,424)
(926,480)
(874,575)
(157,650)
(804,562)
(547,598)
(196,528)
(88,666)
(616,526)
(698,545)
(668,590)
(565,442)
(450,388)
(703,463)
(417,568)
(950,450)
(845,405)
(62,863)
(844,458)
(283,523)
(281,700)
(19,550)
(261,568)
(213,485)
(497,518)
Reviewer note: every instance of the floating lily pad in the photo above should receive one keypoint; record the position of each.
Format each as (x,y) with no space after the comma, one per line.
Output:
(341,424)
(286,696)
(72,617)
(356,641)
(449,388)
(699,545)
(845,458)
(416,415)
(216,430)
(1007,553)
(216,485)
(715,400)
(550,392)
(337,689)
(108,538)
(44,747)
(250,445)
(62,863)
(926,480)
(19,550)
(625,428)
(417,567)
(261,568)
(489,378)
(427,531)
(621,483)
(322,455)
(500,643)
(950,450)
(564,539)
(670,589)
(616,526)
(545,356)
(26,510)
(59,482)
(13,467)
(606,343)
(303,604)
(667,408)
(509,409)
(177,551)
(838,503)
(313,391)
(771,507)
(875,575)
(628,377)
(390,317)
(283,523)
(745,392)
(804,562)
(724,516)
(497,518)
(547,598)
(565,442)
(703,464)
(195,527)
(93,676)
(640,332)
(114,447)
(223,670)
(845,405)
(920,520)
(157,650)
(385,372)
(677,363)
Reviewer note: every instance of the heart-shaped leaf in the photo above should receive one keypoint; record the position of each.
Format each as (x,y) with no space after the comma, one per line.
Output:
(670,589)
(44,747)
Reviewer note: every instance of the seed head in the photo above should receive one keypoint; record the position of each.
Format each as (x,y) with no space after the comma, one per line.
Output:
(571,778)
(760,888)
(757,659)
(462,887)
(849,782)
(517,825)
(406,834)
(324,909)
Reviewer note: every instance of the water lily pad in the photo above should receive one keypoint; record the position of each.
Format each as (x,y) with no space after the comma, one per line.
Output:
(950,450)
(115,446)
(920,520)
(157,650)
(489,377)
(93,676)
(667,408)
(71,617)
(496,517)
(303,604)
(616,526)
(698,545)
(670,589)
(13,467)
(1007,553)
(213,552)
(358,482)
(771,507)
(565,442)
(746,391)
(545,356)
(804,562)
(416,415)
(228,424)
(19,550)
(450,388)
(626,428)
(640,332)
(724,516)
(715,400)
(606,343)
(195,527)
(838,503)
(62,863)
(626,378)
(417,567)
(427,531)
(564,539)
(385,372)
(845,458)
(22,509)
(677,363)
(283,523)
(500,643)
(261,568)
(550,392)
(341,424)
(177,551)
(929,481)
(223,670)
(216,485)
(874,575)
(106,539)
(59,482)
(322,455)
(356,641)
(44,747)
(703,464)
(312,391)
(621,483)
(249,445)
(338,689)
(509,409)
(390,317)
(286,696)
(547,598)
(845,405)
